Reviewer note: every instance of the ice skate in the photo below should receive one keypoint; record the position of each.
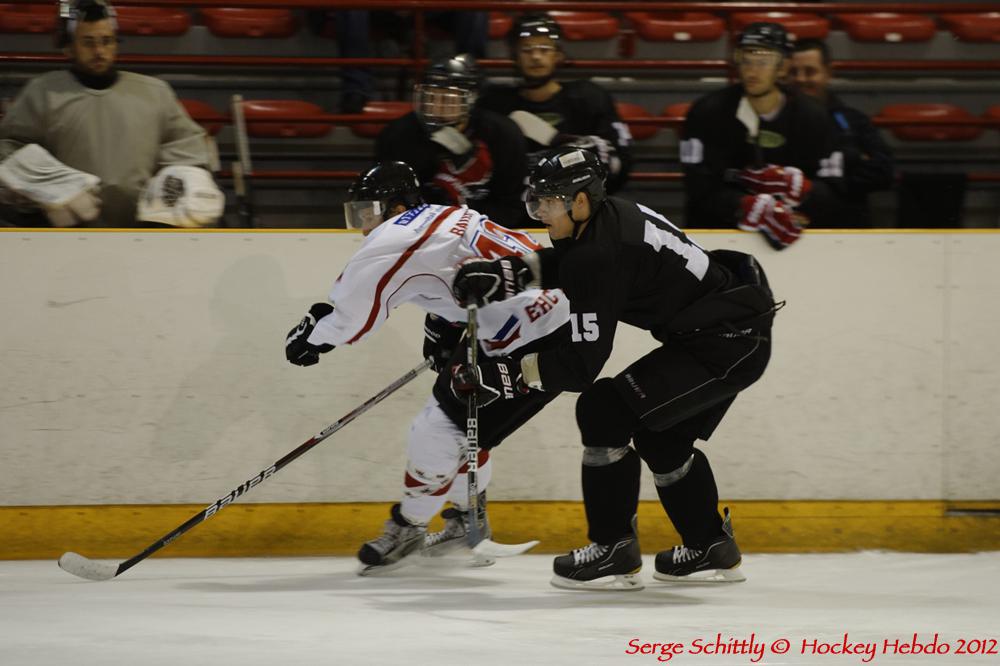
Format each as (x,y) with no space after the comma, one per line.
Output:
(399,541)
(718,561)
(601,567)
(454,536)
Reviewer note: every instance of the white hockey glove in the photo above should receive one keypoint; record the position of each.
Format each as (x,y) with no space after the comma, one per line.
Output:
(181,196)
(298,349)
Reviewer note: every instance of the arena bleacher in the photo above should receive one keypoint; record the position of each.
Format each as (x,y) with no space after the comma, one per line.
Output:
(925,71)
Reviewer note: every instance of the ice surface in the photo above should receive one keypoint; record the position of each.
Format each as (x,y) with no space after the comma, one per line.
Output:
(315,611)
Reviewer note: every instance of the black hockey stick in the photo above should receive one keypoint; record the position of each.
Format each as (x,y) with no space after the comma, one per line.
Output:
(81,566)
(472,428)
(481,546)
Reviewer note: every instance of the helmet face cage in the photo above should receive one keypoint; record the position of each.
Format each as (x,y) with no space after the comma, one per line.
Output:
(448,92)
(441,105)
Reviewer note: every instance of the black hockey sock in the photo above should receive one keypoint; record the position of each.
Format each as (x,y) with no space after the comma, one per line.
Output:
(611,498)
(692,502)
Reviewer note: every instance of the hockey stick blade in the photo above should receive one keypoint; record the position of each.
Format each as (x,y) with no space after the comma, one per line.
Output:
(84,567)
(78,565)
(489,548)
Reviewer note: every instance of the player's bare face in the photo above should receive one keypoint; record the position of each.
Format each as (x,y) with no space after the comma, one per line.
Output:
(759,71)
(538,57)
(94,47)
(552,213)
(809,74)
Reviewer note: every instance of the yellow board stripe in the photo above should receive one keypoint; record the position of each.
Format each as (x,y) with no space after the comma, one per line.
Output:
(120,531)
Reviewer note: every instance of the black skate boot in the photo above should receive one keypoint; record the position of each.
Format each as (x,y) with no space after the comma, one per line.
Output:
(398,541)
(717,561)
(454,536)
(601,567)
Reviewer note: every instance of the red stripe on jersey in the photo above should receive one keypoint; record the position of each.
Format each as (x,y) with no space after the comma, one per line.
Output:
(384,280)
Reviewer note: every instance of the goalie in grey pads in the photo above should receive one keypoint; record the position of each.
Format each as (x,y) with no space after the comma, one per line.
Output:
(619,261)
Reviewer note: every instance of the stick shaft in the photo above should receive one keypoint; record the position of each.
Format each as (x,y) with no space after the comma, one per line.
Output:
(267,473)
(472,428)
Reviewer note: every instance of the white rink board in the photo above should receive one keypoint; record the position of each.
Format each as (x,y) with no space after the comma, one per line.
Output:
(149,368)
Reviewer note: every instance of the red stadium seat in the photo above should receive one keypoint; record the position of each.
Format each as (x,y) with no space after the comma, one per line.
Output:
(279,108)
(500,24)
(677,26)
(888,27)
(232,22)
(993,112)
(799,26)
(974,27)
(587,26)
(676,110)
(627,111)
(152,21)
(922,111)
(205,115)
(383,112)
(27,18)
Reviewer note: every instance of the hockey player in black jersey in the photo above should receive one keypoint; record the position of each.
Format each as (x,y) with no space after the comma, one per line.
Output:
(759,156)
(554,113)
(462,154)
(619,261)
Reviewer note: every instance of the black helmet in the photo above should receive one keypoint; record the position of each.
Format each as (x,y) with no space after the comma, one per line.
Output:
(71,12)
(763,35)
(448,91)
(563,173)
(377,190)
(535,24)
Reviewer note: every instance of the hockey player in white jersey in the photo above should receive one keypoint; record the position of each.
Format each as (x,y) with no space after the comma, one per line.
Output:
(410,255)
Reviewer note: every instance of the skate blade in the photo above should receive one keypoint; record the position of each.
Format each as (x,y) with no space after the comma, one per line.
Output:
(622,582)
(733,575)
(381,569)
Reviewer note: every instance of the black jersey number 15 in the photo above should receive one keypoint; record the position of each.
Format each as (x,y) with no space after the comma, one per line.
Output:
(584,325)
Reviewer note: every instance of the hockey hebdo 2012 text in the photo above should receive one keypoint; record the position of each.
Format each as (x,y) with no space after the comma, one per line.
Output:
(756,648)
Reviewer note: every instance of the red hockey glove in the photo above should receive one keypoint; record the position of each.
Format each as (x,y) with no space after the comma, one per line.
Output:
(764,213)
(787,182)
(491,380)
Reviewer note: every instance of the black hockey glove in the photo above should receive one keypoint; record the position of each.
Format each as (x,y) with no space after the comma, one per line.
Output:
(491,380)
(441,337)
(297,348)
(481,282)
